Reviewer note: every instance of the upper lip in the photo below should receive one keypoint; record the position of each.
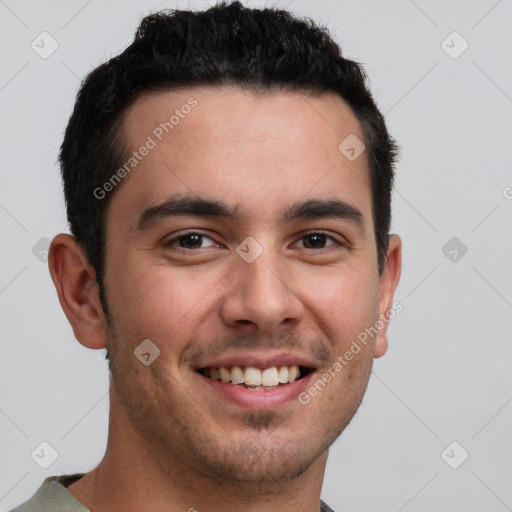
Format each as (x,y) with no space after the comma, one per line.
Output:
(258,360)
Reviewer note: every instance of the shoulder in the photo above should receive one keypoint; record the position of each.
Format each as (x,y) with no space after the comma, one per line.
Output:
(325,508)
(53,496)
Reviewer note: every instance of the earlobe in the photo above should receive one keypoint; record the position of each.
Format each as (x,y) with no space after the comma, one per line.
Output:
(74,280)
(387,285)
(381,345)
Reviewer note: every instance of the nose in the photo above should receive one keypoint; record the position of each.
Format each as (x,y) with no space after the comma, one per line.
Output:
(260,294)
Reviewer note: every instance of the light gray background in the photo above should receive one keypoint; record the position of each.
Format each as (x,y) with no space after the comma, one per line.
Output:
(447,375)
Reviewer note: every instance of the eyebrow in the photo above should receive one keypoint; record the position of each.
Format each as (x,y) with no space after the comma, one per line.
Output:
(322,209)
(186,205)
(204,207)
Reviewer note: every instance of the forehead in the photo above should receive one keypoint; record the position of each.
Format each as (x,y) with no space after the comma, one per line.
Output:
(249,148)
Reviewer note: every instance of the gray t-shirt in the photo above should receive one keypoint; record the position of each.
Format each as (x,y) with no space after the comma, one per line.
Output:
(53,496)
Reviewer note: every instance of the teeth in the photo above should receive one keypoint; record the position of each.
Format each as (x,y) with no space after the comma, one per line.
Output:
(293,373)
(225,374)
(261,388)
(252,376)
(268,378)
(283,374)
(237,375)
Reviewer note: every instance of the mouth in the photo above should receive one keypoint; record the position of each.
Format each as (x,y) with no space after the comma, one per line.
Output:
(256,379)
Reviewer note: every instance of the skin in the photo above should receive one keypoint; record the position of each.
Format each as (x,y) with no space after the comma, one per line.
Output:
(172,443)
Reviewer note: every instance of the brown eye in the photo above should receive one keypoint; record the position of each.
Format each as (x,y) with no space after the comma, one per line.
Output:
(314,241)
(189,241)
(318,240)
(192,241)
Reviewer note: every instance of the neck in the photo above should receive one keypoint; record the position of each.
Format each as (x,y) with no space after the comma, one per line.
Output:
(134,476)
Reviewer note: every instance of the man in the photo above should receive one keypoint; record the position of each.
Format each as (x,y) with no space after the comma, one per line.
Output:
(228,183)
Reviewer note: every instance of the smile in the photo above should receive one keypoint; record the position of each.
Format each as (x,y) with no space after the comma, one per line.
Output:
(256,379)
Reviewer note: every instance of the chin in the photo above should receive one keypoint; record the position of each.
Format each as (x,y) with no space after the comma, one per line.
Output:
(263,456)
(269,468)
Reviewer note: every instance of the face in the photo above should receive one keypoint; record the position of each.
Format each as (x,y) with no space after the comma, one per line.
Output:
(241,242)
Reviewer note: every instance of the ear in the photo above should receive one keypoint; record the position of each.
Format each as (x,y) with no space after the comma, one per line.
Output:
(387,285)
(78,292)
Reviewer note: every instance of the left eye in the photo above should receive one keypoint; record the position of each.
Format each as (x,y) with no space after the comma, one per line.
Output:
(317,240)
(190,241)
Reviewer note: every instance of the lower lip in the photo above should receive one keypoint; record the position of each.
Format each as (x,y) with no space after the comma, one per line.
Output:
(258,400)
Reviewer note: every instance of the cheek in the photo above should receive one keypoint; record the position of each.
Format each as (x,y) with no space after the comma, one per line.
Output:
(343,305)
(160,302)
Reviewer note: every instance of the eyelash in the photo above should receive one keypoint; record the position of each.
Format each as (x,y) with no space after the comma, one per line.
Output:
(322,233)
(176,239)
